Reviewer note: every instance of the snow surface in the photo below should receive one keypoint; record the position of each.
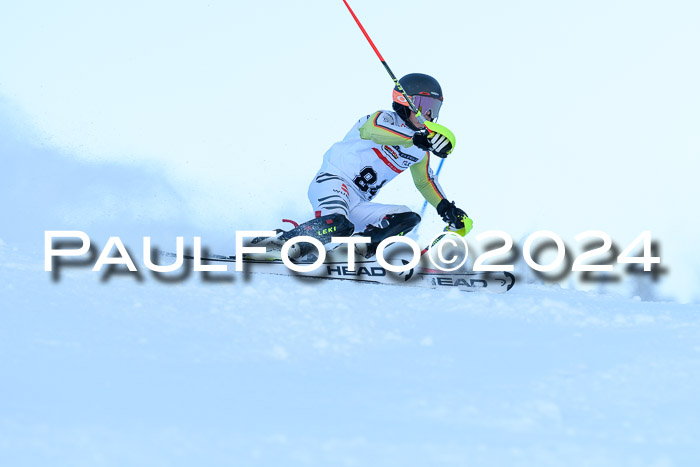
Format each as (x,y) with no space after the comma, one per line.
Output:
(273,371)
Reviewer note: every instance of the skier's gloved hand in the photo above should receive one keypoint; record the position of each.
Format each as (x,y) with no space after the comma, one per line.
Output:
(441,146)
(452,214)
(432,141)
(420,140)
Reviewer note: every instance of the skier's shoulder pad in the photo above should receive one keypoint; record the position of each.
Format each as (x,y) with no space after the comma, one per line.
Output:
(386,127)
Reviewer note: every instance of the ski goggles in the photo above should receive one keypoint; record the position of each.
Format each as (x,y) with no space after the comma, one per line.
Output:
(428,106)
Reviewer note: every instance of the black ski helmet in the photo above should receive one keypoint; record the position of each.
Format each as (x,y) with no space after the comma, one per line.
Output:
(418,85)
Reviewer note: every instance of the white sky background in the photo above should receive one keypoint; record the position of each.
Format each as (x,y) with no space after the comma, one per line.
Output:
(569,116)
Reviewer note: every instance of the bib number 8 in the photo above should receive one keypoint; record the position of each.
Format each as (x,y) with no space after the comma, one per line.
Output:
(366,178)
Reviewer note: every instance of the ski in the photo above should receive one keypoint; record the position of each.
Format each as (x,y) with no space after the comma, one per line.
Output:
(370,271)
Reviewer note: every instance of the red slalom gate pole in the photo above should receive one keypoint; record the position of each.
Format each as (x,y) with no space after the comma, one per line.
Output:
(411,105)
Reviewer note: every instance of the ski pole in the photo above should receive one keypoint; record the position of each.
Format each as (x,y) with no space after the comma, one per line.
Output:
(411,105)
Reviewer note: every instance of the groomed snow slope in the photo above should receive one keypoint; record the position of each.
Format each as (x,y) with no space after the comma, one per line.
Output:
(278,372)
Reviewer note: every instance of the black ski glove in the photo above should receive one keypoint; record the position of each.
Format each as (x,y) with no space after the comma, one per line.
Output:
(451,213)
(420,140)
(437,143)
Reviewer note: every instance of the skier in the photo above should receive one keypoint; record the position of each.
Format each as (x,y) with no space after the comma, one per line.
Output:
(377,148)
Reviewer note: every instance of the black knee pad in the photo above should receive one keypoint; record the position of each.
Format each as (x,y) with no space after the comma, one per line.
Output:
(396,224)
(405,220)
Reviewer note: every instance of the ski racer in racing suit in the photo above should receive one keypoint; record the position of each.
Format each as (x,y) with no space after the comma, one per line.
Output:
(379,147)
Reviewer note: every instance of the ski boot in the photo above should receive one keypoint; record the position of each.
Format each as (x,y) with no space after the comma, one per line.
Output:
(322,228)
